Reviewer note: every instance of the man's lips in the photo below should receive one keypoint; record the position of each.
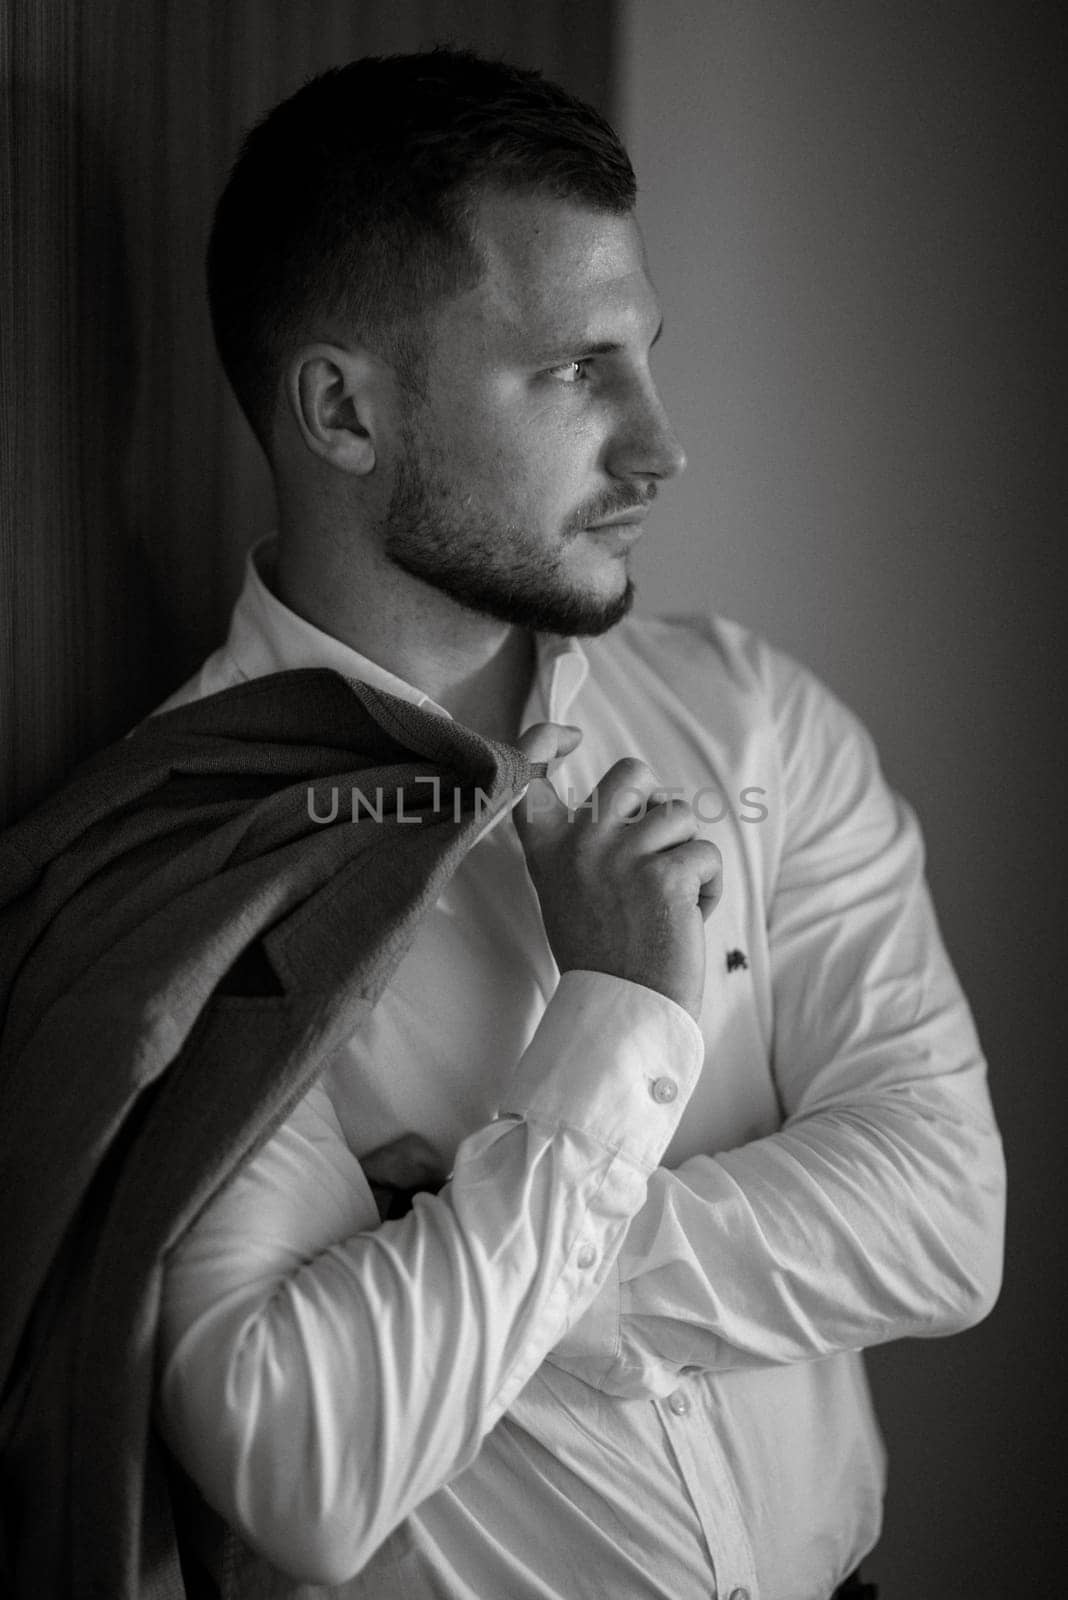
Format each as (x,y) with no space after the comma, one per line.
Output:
(627,526)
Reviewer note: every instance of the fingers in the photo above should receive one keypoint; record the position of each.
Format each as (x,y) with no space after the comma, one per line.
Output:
(652,822)
(653,818)
(626,789)
(664,824)
(710,893)
(696,871)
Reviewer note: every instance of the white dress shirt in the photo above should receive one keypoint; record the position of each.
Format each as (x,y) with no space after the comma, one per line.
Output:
(617,1355)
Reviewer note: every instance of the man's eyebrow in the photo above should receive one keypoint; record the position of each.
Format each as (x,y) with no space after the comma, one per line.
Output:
(571,349)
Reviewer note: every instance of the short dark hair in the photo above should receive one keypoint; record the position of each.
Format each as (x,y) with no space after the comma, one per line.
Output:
(355,195)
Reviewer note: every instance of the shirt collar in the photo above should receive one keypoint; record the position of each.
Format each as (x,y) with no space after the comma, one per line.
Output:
(266,636)
(561,667)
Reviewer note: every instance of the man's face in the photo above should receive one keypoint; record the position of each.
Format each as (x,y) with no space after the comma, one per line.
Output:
(538,428)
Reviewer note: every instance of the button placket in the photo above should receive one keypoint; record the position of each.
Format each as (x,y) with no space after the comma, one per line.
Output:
(707,1477)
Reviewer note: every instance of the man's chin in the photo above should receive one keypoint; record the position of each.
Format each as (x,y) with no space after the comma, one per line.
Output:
(582,615)
(539,607)
(608,616)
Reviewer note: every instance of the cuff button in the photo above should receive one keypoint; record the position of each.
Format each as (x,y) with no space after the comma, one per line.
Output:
(586,1256)
(664,1090)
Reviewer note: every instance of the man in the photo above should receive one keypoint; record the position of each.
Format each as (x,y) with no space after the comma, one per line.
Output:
(681,1144)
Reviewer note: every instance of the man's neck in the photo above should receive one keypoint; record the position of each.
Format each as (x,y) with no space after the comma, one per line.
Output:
(491,696)
(478,669)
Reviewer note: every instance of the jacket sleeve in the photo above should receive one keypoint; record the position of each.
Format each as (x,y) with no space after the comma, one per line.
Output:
(876,1212)
(321,1374)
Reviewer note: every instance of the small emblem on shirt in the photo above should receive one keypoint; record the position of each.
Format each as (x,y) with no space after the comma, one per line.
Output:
(736,959)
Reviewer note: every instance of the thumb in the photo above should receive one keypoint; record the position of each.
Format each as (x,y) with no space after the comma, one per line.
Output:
(543,743)
(546,741)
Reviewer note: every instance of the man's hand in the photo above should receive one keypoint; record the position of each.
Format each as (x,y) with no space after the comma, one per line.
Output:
(624,880)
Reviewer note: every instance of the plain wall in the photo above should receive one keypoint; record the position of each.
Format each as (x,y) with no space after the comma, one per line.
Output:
(854,214)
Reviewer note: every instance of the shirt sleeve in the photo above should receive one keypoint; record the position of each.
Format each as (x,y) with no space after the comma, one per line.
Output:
(876,1212)
(321,1374)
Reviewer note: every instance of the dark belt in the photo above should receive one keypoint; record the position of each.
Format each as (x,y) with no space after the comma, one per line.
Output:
(854,1588)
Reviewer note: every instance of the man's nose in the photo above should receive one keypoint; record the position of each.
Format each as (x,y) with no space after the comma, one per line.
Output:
(646,445)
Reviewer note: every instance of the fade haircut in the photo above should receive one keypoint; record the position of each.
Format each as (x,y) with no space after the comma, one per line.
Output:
(354,198)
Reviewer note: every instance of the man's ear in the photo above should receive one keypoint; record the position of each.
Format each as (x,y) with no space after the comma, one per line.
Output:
(333,394)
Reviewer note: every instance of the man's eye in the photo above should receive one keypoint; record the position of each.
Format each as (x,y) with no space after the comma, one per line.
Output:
(570,371)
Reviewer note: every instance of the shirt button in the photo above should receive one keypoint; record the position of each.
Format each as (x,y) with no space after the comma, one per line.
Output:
(679,1404)
(738,1594)
(664,1091)
(586,1256)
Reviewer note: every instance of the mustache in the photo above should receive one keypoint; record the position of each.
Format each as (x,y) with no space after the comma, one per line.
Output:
(611,503)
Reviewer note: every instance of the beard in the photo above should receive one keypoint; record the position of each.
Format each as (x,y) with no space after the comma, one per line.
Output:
(435,532)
